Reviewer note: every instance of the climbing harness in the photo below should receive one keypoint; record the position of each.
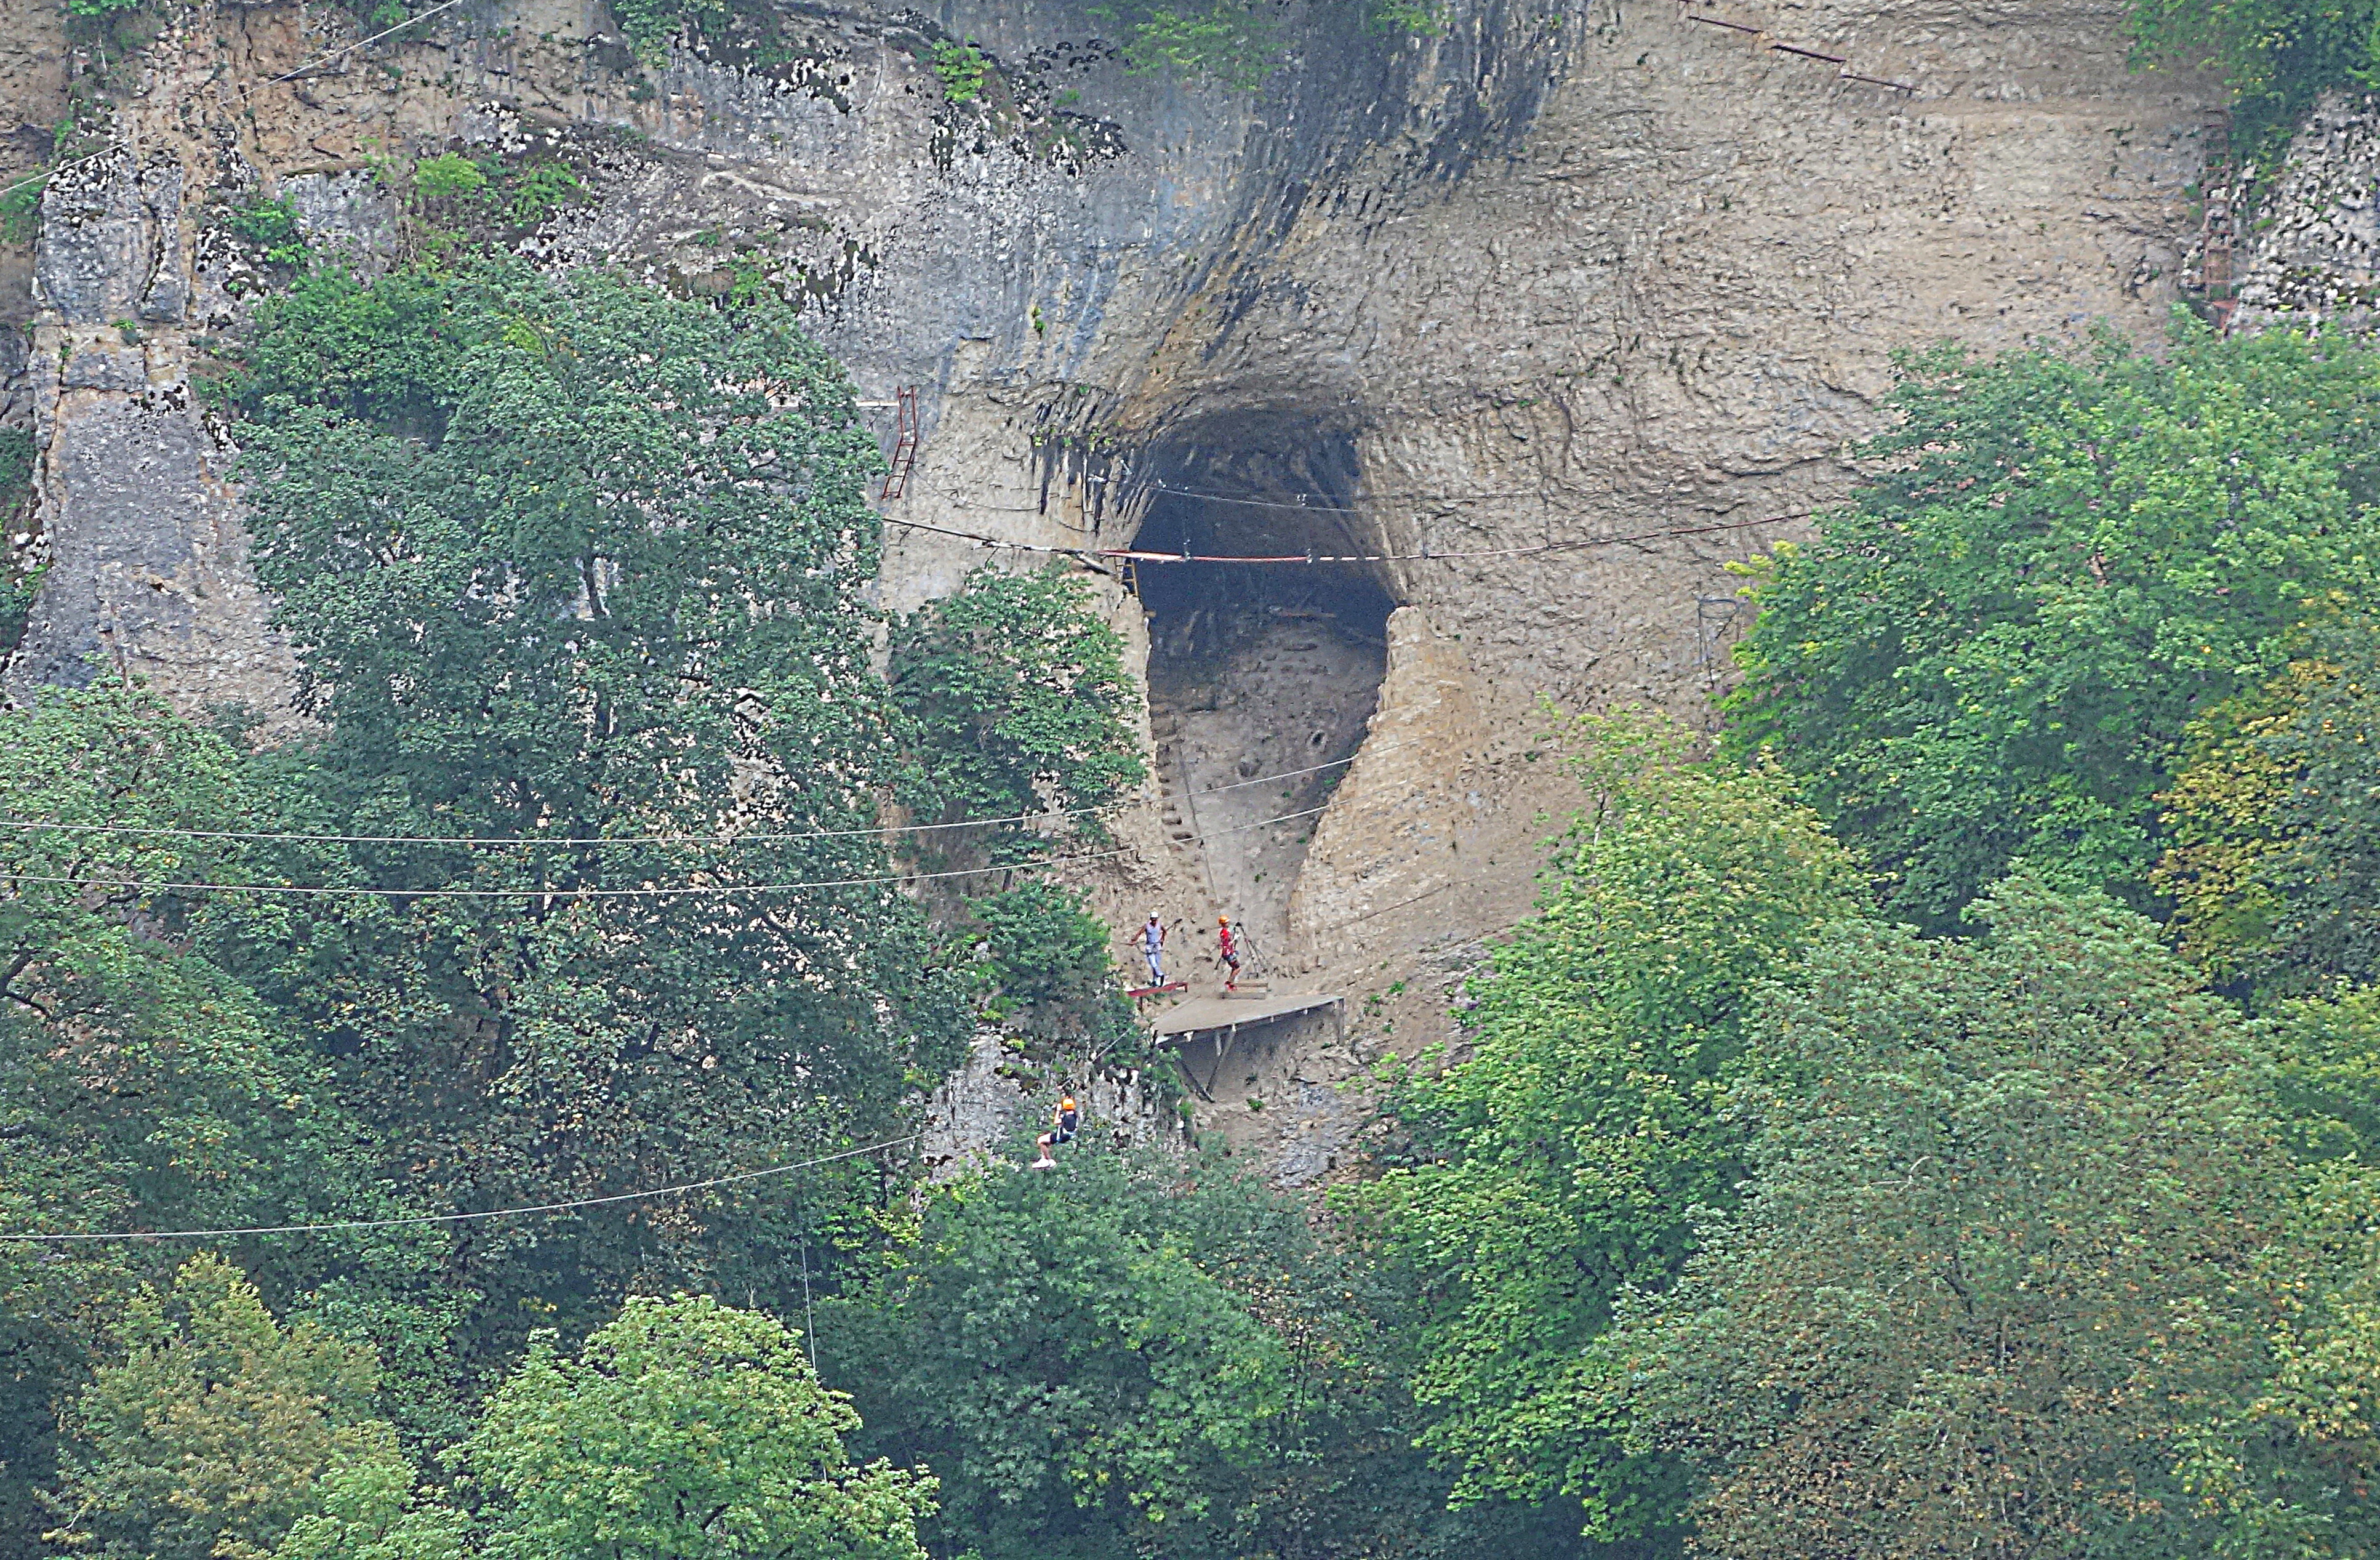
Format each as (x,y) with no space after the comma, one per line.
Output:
(1064,1123)
(1227,952)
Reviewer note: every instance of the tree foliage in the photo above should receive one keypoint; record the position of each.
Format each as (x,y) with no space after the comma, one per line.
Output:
(147,1086)
(2275,855)
(1067,1349)
(685,1430)
(1018,689)
(376,1509)
(1996,1279)
(1134,1355)
(623,542)
(1557,1165)
(1992,654)
(204,1437)
(1050,957)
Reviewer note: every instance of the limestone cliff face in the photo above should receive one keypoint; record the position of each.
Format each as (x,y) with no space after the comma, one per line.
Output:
(2312,257)
(1567,272)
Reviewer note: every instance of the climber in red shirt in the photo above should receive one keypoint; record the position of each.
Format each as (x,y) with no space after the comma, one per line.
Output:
(1227,948)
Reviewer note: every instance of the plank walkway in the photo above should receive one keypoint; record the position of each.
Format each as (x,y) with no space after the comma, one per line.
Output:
(1203,1013)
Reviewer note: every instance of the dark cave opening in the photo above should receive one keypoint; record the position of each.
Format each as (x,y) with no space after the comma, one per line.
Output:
(1261,677)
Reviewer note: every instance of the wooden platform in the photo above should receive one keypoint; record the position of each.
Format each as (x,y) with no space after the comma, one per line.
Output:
(1220,1018)
(1202,1014)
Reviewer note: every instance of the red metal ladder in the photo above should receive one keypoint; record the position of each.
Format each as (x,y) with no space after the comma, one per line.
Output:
(905,445)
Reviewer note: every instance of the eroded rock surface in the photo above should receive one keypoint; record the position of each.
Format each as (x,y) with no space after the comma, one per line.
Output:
(2313,254)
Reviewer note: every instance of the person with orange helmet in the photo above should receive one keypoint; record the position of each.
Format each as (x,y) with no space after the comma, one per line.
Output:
(1227,948)
(1064,1122)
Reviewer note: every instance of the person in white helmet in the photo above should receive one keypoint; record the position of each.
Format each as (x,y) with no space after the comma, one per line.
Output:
(1153,947)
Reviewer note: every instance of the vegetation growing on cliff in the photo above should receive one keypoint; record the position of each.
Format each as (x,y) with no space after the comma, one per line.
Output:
(2276,56)
(1019,694)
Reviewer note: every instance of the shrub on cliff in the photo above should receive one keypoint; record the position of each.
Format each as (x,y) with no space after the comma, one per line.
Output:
(2275,56)
(1016,690)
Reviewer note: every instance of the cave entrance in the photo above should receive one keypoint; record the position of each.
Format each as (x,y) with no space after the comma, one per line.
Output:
(1261,677)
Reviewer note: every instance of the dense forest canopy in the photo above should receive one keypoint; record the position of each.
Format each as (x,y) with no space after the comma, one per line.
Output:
(1935,1119)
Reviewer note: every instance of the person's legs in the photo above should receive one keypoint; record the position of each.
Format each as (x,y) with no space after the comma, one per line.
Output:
(1157,969)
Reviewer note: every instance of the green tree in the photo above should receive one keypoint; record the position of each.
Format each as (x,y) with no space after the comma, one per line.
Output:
(1992,654)
(1077,1354)
(1049,955)
(1141,1354)
(375,1509)
(685,1430)
(626,537)
(1997,1278)
(448,181)
(206,1438)
(1559,1165)
(1018,691)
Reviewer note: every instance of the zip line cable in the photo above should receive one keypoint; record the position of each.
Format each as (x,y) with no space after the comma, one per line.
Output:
(348,49)
(338,891)
(466,1218)
(29,826)
(247,92)
(1314,509)
(342,891)
(1140,556)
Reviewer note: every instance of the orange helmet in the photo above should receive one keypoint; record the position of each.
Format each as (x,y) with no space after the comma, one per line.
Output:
(1222,921)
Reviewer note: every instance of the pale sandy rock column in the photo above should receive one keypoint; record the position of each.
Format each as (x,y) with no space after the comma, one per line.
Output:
(1391,838)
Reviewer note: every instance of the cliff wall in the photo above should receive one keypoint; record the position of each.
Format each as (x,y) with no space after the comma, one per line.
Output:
(1504,303)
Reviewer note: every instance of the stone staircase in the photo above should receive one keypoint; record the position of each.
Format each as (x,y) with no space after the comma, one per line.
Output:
(1173,804)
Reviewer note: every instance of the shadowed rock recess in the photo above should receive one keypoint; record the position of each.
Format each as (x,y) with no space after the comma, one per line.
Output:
(1558,273)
